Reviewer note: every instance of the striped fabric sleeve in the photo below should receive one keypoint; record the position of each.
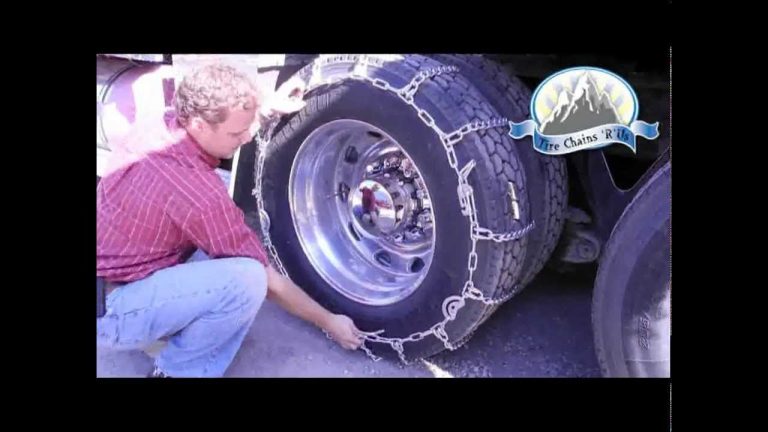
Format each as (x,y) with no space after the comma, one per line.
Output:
(219,229)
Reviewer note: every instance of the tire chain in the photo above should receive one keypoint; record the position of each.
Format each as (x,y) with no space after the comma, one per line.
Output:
(452,304)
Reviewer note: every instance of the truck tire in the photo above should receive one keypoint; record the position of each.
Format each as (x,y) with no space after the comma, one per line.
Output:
(319,226)
(546,176)
(631,308)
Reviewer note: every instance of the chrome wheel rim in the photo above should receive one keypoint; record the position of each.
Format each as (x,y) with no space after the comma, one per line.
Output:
(362,212)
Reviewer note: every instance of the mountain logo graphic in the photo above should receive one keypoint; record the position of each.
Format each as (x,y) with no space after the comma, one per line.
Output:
(583,108)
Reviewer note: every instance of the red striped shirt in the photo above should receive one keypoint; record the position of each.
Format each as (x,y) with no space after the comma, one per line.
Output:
(160,200)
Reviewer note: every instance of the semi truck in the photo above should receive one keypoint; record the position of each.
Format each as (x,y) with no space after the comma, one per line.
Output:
(398,197)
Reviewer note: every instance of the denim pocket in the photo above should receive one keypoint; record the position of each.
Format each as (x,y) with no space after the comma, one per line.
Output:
(133,329)
(122,327)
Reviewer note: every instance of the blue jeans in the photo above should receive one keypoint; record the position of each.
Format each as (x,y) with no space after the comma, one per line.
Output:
(204,306)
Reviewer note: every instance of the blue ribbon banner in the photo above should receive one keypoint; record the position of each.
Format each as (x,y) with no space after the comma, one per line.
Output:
(593,138)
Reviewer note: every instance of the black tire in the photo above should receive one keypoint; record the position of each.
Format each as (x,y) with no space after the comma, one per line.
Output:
(452,102)
(546,176)
(631,308)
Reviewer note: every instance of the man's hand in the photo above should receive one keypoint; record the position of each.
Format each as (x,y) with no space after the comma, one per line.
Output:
(343,331)
(288,99)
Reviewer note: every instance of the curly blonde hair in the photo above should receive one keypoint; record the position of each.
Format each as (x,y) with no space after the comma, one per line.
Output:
(210,92)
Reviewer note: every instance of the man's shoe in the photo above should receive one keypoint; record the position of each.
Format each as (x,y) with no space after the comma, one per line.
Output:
(157,373)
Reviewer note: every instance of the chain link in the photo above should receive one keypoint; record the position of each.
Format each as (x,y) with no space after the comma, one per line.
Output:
(443,336)
(397,345)
(452,304)
(486,234)
(408,92)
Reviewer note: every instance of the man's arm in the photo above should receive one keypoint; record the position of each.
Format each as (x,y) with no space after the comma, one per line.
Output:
(290,297)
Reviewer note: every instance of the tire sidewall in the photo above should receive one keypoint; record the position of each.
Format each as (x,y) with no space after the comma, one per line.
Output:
(627,306)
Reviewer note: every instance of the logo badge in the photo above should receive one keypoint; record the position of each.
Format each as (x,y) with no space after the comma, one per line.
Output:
(581,109)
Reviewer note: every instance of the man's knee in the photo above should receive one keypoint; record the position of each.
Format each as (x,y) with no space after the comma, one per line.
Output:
(250,276)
